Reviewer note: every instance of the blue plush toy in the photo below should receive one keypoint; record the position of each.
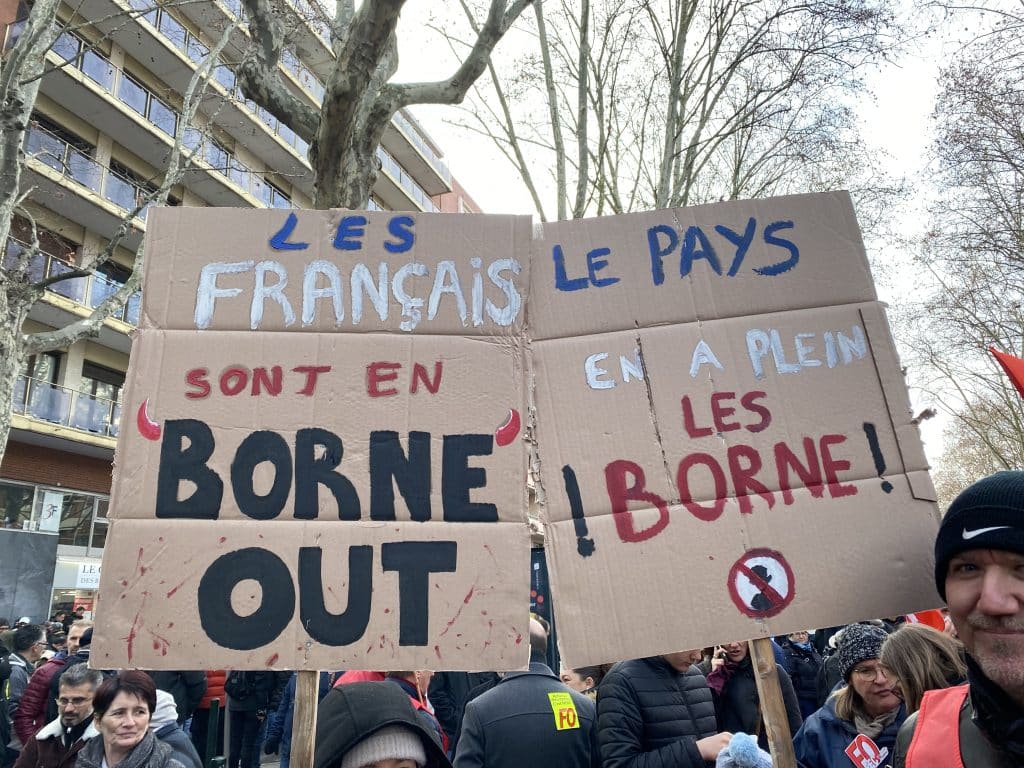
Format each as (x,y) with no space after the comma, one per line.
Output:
(743,752)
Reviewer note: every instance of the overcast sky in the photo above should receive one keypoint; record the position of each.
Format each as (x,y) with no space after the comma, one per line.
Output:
(895,120)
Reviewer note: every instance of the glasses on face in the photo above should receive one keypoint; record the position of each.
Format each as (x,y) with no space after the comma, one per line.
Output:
(72,701)
(869,674)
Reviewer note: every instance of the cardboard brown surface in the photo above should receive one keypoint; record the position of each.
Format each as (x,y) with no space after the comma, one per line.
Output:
(723,430)
(692,430)
(435,273)
(274,449)
(599,275)
(375,385)
(151,615)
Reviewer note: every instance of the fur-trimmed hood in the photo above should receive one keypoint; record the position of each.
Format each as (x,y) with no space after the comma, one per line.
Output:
(53,729)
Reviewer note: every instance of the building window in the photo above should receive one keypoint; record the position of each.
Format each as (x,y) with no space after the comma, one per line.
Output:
(15,504)
(97,407)
(36,393)
(76,519)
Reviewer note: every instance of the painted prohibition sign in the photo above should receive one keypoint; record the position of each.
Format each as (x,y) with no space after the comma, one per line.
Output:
(761,583)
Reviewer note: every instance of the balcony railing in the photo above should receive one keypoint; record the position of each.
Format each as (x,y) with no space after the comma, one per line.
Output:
(414,135)
(399,174)
(130,92)
(196,50)
(44,401)
(90,291)
(75,164)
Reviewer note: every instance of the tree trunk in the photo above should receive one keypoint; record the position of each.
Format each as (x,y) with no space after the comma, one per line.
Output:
(12,355)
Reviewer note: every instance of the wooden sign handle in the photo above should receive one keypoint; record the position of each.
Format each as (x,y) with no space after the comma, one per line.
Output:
(307,686)
(773,708)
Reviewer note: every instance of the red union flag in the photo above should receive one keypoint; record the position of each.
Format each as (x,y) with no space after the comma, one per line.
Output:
(1013,366)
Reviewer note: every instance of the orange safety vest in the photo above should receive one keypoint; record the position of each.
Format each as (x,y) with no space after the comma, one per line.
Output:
(936,738)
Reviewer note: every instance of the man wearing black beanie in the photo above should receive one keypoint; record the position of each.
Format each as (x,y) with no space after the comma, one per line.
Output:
(979,572)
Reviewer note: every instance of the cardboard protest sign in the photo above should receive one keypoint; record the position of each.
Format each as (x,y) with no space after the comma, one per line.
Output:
(725,439)
(326,468)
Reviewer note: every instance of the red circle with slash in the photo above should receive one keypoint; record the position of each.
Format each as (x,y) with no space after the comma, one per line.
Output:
(761,583)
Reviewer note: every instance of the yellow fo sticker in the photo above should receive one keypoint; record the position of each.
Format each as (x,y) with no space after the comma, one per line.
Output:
(565,711)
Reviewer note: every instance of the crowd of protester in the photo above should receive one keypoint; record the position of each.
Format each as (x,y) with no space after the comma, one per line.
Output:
(869,695)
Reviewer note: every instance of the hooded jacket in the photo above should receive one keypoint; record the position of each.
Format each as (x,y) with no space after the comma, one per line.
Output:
(164,723)
(350,713)
(823,739)
(46,749)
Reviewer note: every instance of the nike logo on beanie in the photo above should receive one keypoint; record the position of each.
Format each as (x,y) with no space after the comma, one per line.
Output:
(968,535)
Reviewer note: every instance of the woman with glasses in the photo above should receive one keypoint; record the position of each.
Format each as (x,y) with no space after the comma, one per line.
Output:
(858,724)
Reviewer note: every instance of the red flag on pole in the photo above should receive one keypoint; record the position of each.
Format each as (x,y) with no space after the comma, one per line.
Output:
(1013,366)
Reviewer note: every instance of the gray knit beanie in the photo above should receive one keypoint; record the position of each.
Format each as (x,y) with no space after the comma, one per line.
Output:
(394,742)
(860,642)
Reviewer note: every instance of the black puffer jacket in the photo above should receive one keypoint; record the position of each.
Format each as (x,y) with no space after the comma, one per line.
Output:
(651,716)
(803,665)
(739,705)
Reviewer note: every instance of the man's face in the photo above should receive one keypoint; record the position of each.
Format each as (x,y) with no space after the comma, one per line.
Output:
(74,704)
(74,637)
(682,660)
(985,595)
(35,651)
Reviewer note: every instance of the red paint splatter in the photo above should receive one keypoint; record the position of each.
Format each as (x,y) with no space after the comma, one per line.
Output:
(124,595)
(124,582)
(132,634)
(161,644)
(159,538)
(490,632)
(519,639)
(458,613)
(491,553)
(171,593)
(437,650)
(222,539)
(483,613)
(387,610)
(272,660)
(170,624)
(369,648)
(382,640)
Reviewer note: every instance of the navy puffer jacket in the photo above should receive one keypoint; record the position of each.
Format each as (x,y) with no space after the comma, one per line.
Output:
(651,716)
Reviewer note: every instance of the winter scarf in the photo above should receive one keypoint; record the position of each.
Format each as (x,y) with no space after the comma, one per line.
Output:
(997,715)
(718,678)
(872,728)
(148,753)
